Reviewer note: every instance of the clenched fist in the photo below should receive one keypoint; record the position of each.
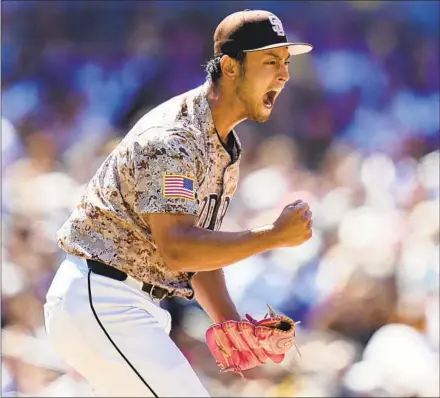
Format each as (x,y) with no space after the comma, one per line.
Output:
(294,225)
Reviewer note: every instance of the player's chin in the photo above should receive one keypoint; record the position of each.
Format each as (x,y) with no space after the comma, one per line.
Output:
(262,116)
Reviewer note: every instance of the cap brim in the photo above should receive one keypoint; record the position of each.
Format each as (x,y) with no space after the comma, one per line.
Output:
(294,48)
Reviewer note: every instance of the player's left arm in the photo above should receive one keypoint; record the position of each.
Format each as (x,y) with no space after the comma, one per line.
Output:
(213,296)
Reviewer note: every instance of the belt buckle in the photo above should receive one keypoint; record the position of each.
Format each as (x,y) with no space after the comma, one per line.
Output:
(151,294)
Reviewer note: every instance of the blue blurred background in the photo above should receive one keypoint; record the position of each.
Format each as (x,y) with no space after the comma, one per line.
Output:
(355,133)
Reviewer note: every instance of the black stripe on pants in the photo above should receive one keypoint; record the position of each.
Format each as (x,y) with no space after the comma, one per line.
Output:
(111,341)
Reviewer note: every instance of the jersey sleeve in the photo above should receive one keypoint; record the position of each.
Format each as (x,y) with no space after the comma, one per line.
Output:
(166,176)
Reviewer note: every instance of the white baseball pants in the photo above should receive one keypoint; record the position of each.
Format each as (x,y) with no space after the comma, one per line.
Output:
(115,336)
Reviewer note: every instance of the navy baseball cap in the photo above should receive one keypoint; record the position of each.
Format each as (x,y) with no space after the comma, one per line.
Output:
(253,30)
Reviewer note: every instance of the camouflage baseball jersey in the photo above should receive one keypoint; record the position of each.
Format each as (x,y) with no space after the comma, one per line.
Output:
(171,161)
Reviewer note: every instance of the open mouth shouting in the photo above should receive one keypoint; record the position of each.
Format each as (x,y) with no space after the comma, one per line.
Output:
(269,99)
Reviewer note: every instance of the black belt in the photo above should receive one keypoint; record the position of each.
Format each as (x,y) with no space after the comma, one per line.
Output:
(156,292)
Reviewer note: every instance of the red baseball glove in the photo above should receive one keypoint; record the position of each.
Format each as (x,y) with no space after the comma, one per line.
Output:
(239,346)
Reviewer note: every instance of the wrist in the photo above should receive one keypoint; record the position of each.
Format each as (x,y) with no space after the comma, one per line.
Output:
(225,311)
(269,235)
(220,318)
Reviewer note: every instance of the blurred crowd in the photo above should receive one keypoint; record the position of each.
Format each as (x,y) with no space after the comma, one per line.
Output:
(355,133)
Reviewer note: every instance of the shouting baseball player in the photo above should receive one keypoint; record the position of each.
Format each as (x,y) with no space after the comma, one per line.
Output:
(147,228)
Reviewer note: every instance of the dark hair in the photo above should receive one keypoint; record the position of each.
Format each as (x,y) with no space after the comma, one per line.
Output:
(213,67)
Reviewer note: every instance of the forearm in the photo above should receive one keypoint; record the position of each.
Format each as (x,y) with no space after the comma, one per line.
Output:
(213,296)
(196,249)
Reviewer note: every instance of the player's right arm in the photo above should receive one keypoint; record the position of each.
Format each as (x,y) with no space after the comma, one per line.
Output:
(188,248)
(171,215)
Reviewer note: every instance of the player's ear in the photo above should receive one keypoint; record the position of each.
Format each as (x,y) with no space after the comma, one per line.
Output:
(230,67)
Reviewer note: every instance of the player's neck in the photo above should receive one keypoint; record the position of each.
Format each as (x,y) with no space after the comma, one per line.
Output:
(225,109)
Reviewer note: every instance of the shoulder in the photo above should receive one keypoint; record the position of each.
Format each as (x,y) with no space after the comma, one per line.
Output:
(167,129)
(170,114)
(161,140)
(159,149)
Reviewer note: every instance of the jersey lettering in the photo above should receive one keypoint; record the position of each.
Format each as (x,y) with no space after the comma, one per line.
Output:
(222,213)
(213,212)
(208,208)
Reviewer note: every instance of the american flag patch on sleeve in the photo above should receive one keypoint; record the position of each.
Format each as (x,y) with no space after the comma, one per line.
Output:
(178,186)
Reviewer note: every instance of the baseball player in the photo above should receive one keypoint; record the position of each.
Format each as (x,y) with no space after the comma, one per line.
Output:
(147,228)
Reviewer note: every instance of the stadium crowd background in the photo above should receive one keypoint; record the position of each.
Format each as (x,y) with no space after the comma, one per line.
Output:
(355,134)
